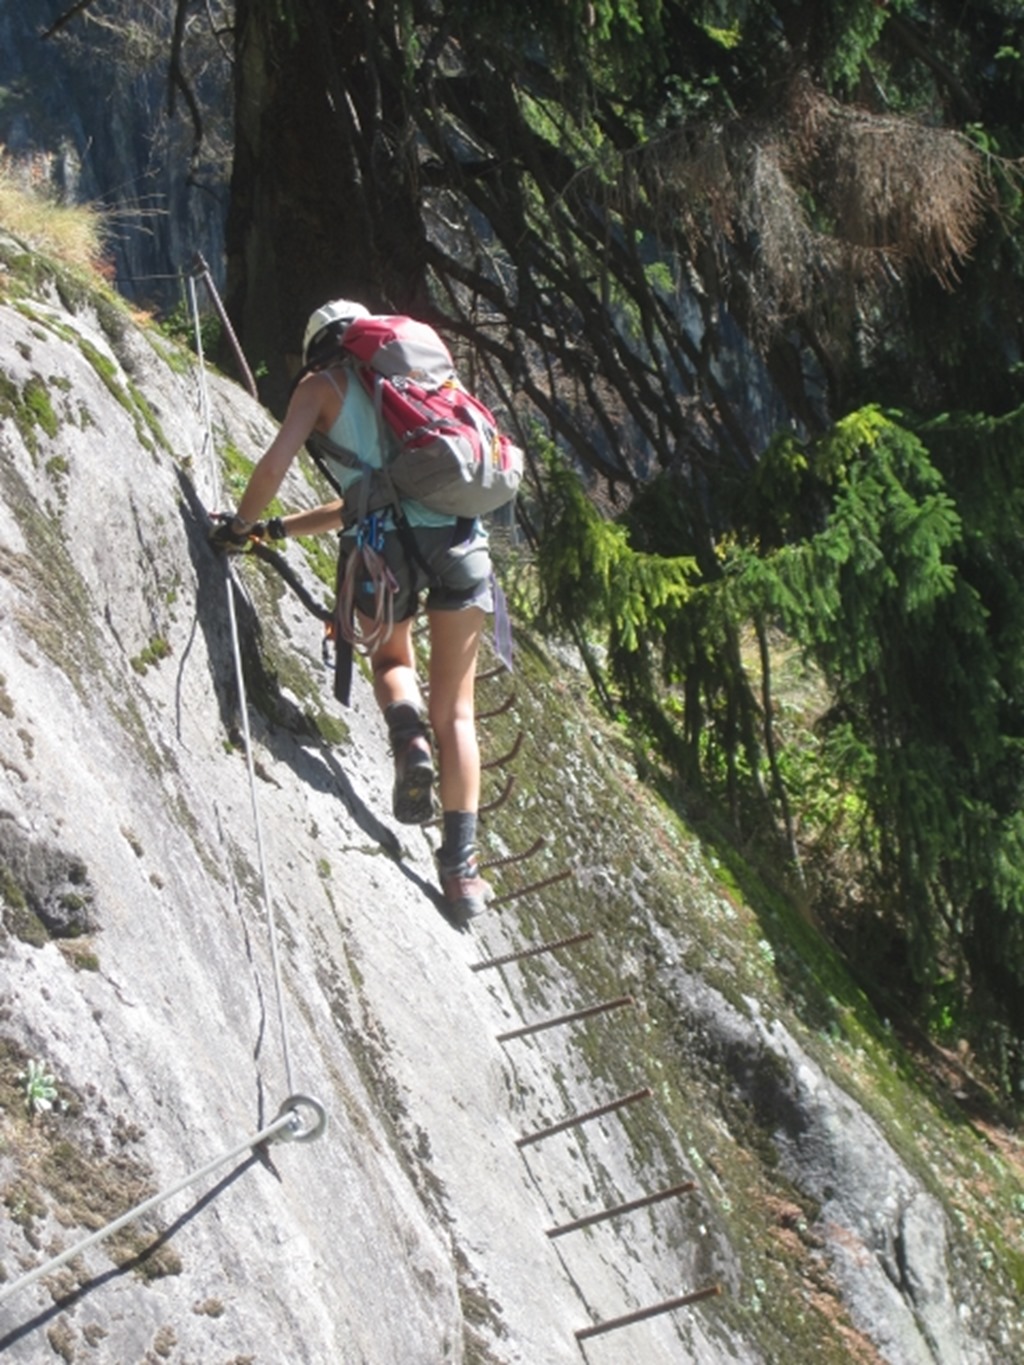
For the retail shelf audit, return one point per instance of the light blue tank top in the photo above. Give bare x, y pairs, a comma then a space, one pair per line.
356, 428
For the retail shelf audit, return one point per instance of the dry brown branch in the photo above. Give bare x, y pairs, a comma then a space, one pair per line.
818, 206
773, 215
687, 178
914, 192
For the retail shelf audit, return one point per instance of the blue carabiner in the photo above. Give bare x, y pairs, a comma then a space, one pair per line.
370, 531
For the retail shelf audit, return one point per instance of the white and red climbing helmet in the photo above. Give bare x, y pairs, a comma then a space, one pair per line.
328, 323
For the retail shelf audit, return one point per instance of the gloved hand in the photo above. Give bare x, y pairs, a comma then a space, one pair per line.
225, 538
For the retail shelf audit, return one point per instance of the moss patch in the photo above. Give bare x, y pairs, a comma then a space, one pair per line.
665, 897
29, 408
64, 1170
236, 468
154, 653
61, 622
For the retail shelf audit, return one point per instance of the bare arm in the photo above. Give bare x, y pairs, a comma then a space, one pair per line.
324, 518
304, 412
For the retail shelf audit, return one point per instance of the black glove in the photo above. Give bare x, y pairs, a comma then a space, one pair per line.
225, 538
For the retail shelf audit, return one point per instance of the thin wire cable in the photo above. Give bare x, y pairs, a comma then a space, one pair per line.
230, 585
204, 394
264, 877
48, 1267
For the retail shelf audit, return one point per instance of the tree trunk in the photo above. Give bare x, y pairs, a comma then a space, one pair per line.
323, 198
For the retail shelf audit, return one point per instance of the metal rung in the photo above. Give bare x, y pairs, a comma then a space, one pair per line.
535, 847
501, 798
505, 758
506, 705
490, 673
687, 1187
533, 952
577, 1119
534, 886
613, 1324
586, 1013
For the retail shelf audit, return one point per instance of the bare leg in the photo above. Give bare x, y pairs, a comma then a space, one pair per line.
454, 641
394, 667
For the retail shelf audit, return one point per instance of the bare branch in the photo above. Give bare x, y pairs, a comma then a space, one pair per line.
64, 19
176, 79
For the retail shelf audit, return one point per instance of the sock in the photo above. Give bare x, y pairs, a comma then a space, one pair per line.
458, 842
404, 720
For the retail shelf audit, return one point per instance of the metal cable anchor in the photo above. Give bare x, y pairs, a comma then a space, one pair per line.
294, 1131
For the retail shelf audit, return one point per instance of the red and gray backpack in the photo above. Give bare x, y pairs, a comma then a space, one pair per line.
444, 446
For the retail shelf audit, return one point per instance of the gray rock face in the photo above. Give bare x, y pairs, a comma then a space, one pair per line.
189, 943
887, 1236
412, 1231
55, 885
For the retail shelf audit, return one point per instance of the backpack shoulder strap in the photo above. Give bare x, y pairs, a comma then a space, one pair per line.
319, 446
374, 490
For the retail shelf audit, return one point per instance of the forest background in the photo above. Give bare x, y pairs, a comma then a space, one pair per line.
746, 281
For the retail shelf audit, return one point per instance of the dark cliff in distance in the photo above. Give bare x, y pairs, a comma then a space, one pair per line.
89, 108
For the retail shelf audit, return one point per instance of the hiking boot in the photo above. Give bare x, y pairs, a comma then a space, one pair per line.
412, 797
465, 892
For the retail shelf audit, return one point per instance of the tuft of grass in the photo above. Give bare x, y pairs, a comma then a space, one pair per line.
151, 655
73, 234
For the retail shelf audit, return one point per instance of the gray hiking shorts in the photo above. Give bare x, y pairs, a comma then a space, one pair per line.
454, 573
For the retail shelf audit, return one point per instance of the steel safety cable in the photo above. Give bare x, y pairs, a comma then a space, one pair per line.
286, 1127
204, 392
231, 585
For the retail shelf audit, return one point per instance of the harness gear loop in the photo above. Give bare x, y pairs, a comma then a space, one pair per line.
365, 567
